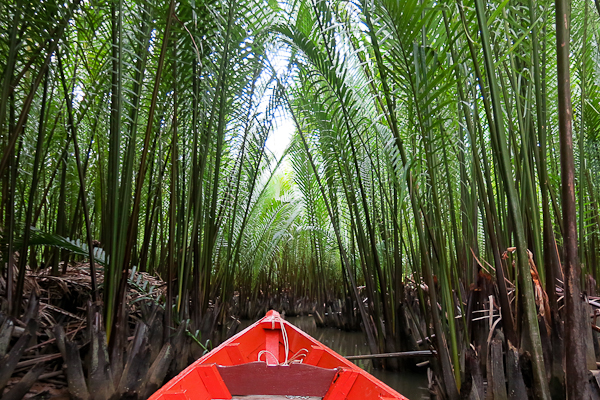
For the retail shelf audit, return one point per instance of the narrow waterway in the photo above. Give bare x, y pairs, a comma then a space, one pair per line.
410, 384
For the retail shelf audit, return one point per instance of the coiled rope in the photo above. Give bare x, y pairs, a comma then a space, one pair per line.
296, 358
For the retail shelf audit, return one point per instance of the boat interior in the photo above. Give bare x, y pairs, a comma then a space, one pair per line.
273, 359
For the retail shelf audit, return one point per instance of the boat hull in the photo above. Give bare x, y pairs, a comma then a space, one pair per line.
273, 359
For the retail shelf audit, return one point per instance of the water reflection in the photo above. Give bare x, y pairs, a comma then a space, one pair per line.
410, 384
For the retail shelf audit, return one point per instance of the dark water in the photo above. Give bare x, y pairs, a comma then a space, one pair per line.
410, 384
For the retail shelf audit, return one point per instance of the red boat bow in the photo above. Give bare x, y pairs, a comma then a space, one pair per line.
274, 358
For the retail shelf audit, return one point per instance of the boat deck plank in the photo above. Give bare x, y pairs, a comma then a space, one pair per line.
265, 397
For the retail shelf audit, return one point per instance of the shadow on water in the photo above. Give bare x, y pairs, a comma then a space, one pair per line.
410, 384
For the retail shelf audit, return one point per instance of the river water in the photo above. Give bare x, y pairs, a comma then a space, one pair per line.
410, 384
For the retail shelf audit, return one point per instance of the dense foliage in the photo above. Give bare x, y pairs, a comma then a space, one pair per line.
426, 144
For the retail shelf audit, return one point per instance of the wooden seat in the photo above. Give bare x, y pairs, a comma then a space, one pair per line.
289, 381
261, 397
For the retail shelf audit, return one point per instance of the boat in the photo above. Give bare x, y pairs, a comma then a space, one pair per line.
272, 359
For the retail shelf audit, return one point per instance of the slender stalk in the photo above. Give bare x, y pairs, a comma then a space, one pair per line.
10, 213
581, 141
36, 82
10, 63
530, 312
211, 216
32, 190
81, 174
576, 374
172, 209
114, 206
131, 229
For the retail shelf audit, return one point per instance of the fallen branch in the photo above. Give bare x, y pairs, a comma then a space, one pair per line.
417, 353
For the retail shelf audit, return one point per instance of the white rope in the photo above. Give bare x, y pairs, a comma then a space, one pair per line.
260, 353
296, 357
286, 346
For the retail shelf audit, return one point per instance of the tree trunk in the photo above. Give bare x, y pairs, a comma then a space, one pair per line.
576, 375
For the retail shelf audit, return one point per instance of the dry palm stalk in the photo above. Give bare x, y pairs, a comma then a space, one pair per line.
541, 297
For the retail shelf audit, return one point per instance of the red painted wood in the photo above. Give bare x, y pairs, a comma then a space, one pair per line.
213, 381
258, 378
266, 334
272, 320
314, 355
174, 396
342, 384
235, 355
202, 383
271, 347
